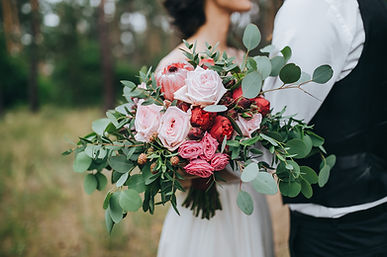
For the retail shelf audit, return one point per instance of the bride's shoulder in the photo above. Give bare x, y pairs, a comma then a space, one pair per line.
176, 55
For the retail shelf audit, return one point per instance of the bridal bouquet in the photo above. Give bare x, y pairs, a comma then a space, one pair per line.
202, 117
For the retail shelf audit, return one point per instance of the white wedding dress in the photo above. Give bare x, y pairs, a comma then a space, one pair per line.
230, 233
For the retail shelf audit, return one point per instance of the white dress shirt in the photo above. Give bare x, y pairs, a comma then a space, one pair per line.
318, 32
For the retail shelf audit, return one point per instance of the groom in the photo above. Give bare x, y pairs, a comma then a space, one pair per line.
347, 217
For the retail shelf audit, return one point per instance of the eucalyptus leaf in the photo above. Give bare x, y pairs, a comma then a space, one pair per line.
252, 84
263, 66
120, 164
130, 200
82, 162
136, 182
304, 78
287, 53
290, 189
215, 108
290, 73
250, 172
323, 176
121, 181
90, 183
107, 200
306, 189
277, 63
109, 222
100, 125
309, 174
271, 140
251, 37
114, 208
245, 203
331, 160
297, 146
322, 74
268, 49
264, 183
102, 181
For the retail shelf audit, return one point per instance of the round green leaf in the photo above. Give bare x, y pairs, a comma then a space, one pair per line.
297, 146
215, 108
107, 200
250, 172
90, 183
251, 37
109, 222
290, 189
322, 74
264, 183
263, 65
323, 176
306, 189
121, 181
295, 168
268, 49
100, 125
130, 200
316, 139
304, 78
136, 182
331, 160
309, 174
82, 162
120, 164
277, 63
290, 73
252, 84
114, 208
245, 203
287, 53
102, 181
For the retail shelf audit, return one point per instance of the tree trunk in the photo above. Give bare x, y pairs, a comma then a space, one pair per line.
11, 26
34, 61
106, 58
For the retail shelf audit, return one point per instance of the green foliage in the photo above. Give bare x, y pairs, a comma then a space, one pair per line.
245, 203
322, 74
290, 73
252, 84
264, 183
250, 172
251, 37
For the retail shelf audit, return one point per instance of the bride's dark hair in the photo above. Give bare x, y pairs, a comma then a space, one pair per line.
187, 15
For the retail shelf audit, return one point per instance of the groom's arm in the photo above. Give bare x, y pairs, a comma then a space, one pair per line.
318, 32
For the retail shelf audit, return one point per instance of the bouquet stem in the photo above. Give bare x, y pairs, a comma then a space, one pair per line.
203, 198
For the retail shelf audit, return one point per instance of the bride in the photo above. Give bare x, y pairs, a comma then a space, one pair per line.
230, 233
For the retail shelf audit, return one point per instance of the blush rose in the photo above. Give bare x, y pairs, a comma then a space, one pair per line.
147, 121
248, 126
174, 127
200, 168
202, 87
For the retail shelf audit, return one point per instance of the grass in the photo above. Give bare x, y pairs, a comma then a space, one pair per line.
44, 210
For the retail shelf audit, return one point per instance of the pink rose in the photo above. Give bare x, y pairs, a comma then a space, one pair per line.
199, 167
147, 121
219, 161
174, 127
172, 78
191, 150
210, 145
202, 87
249, 126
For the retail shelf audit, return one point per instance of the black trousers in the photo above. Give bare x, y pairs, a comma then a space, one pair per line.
359, 234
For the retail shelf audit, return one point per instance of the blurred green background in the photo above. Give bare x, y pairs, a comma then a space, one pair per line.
60, 66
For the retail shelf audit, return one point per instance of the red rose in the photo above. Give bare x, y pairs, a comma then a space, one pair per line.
243, 102
222, 127
201, 118
205, 63
262, 104
183, 106
195, 133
